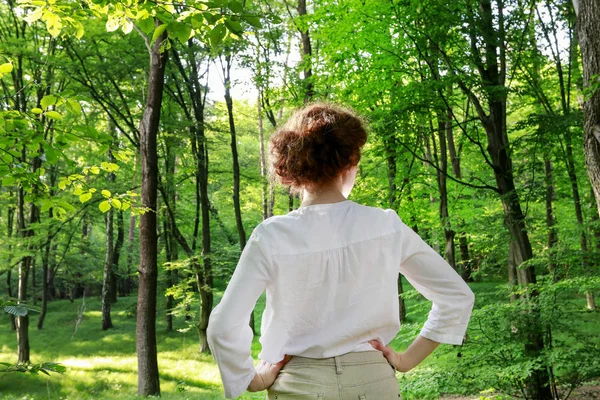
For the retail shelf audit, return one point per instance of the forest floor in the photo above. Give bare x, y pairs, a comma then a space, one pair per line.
590, 392
103, 364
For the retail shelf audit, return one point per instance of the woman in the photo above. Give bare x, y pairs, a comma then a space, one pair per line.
330, 269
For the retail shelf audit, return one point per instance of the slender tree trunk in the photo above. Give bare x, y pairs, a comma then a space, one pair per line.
115, 277
127, 283
234, 153
22, 322
148, 378
309, 90
204, 278
444, 125
236, 165
45, 270
550, 221
10, 224
263, 162
391, 159
108, 260
170, 241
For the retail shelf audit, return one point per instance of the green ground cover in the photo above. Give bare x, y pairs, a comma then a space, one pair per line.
102, 364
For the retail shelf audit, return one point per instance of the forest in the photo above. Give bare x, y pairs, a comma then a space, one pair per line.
134, 165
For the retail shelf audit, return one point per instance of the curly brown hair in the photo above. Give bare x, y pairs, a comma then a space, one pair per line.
317, 144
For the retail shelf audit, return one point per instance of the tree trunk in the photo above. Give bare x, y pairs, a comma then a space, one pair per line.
465, 258
170, 241
204, 279
10, 224
489, 25
115, 276
263, 162
22, 322
391, 159
148, 378
550, 220
45, 269
236, 165
444, 125
588, 29
108, 264
309, 91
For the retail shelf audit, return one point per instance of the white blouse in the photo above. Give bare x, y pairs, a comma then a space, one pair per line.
330, 272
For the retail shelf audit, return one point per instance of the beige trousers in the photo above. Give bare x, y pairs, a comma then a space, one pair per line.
353, 376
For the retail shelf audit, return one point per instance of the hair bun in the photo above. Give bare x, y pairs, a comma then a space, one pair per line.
316, 145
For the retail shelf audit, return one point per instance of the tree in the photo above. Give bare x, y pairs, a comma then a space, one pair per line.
588, 29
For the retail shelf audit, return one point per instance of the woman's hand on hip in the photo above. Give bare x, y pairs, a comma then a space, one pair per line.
394, 358
419, 349
266, 374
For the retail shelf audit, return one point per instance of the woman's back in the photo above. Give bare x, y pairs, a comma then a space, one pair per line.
334, 270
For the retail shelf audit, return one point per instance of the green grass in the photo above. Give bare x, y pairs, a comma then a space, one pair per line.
103, 364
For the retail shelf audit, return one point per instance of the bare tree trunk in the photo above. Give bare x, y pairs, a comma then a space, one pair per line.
263, 162
204, 278
148, 378
10, 224
170, 241
108, 260
114, 277
45, 267
391, 159
306, 56
234, 152
22, 321
550, 220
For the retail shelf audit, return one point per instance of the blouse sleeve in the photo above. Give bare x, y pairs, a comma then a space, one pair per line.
435, 279
229, 333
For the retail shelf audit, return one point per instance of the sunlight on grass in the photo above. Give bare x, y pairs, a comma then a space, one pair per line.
103, 364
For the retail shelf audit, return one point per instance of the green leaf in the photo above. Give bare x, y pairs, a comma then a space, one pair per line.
115, 203
73, 106
146, 25
8, 181
112, 24
180, 31
48, 101
54, 115
6, 68
106, 193
127, 27
211, 18
253, 20
35, 15
52, 155
104, 206
217, 34
234, 26
125, 206
94, 170
37, 110
85, 197
236, 6
158, 31
46, 205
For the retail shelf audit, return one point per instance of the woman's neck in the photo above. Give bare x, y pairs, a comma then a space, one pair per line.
324, 195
